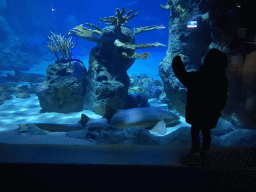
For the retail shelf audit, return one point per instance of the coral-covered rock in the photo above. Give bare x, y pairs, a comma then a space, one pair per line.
110, 33
108, 79
111, 58
65, 87
109, 54
22, 95
141, 83
190, 43
136, 100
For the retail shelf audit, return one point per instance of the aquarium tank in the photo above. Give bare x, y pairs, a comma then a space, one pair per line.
98, 76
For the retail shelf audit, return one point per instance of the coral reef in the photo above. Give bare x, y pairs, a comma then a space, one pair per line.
111, 58
119, 20
142, 84
61, 45
146, 29
86, 33
118, 43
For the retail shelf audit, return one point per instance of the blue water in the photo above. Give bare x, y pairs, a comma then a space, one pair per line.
32, 21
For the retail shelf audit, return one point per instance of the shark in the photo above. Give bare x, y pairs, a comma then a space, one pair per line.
150, 118
25, 77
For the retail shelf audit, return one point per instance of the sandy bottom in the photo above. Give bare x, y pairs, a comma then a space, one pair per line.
21, 111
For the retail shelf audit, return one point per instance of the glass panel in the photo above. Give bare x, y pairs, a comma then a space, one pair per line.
125, 77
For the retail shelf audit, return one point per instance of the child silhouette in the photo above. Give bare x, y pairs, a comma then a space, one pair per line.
206, 95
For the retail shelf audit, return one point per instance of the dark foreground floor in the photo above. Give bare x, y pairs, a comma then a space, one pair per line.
44, 167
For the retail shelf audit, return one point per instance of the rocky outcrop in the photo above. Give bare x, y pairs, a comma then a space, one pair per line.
142, 84
111, 58
109, 82
64, 89
190, 43
103, 134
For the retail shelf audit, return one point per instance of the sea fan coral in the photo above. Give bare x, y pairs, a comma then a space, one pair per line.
61, 45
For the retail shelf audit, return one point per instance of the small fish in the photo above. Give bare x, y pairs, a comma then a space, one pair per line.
161, 27
132, 3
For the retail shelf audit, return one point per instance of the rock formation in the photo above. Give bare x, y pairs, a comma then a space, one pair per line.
224, 25
190, 43
111, 58
65, 86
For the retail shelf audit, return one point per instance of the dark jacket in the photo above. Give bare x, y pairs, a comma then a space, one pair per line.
206, 93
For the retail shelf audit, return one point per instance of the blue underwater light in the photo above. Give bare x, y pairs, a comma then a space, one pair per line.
192, 24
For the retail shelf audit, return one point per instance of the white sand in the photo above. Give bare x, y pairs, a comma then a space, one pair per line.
20, 111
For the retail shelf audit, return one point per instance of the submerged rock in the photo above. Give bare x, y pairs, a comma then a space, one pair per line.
141, 83
23, 92
223, 127
239, 138
65, 87
5, 92
136, 100
190, 44
103, 134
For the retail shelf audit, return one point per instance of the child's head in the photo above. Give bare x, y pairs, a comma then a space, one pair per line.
215, 59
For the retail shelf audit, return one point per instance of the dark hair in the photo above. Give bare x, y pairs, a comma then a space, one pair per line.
215, 59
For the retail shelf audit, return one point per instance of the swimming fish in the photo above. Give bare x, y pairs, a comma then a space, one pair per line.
150, 118
132, 3
25, 77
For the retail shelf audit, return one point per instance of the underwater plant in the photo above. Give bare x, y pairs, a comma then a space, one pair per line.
61, 46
